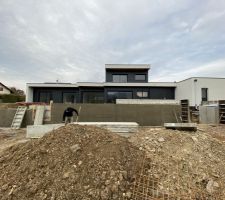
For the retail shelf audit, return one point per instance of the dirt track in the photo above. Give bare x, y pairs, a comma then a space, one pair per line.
10, 137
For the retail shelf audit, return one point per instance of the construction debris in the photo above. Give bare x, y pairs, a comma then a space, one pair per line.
183, 166
86, 162
72, 162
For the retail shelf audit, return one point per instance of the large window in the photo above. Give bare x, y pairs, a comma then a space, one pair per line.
45, 97
140, 77
93, 97
112, 96
204, 94
1, 88
69, 97
119, 78
142, 94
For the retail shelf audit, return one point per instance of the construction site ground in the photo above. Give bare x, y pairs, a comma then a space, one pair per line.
168, 164
9, 137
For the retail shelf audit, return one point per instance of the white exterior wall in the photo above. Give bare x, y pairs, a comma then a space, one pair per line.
185, 90
189, 89
5, 90
29, 94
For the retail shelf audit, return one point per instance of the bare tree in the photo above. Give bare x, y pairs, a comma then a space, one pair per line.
17, 91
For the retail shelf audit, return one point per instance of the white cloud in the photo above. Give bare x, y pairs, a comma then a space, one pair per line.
41, 41
216, 68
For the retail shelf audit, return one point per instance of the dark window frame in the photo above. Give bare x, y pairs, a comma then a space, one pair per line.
76, 96
119, 75
204, 93
1, 88
142, 91
45, 92
95, 100
135, 77
116, 91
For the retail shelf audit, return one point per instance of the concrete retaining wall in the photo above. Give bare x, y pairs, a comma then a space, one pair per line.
7, 115
144, 115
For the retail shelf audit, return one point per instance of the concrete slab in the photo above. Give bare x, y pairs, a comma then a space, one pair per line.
148, 101
37, 131
122, 128
116, 127
209, 114
181, 126
39, 116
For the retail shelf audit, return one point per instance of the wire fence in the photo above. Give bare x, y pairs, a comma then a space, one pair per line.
147, 185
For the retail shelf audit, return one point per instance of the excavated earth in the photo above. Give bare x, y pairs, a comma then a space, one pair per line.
186, 165
72, 162
85, 162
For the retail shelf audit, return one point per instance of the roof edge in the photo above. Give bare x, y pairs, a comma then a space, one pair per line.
127, 66
6, 87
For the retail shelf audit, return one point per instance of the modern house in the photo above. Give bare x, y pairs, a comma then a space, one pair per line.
4, 89
127, 81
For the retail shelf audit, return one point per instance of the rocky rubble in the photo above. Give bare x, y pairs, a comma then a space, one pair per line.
184, 162
73, 162
84, 162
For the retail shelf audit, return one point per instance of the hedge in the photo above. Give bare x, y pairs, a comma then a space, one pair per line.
11, 98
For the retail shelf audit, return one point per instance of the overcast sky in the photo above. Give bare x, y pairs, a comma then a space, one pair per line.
72, 40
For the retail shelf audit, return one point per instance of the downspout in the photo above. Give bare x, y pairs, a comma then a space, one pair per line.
195, 93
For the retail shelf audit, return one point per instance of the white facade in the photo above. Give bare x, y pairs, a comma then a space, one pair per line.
4, 89
191, 89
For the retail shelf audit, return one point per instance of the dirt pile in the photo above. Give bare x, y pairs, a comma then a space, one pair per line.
72, 162
184, 164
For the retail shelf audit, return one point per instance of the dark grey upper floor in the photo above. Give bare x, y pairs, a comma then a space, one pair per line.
127, 73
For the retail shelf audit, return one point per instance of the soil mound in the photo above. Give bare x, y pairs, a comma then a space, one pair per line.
72, 162
185, 165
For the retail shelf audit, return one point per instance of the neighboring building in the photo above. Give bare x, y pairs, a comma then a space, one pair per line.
127, 82
199, 89
4, 89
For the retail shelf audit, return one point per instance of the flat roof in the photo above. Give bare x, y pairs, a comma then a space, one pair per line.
201, 78
52, 85
148, 84
127, 66
90, 84
105, 84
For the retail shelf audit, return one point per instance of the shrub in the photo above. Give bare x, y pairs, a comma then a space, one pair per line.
11, 98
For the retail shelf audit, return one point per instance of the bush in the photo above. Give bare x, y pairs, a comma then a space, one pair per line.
11, 98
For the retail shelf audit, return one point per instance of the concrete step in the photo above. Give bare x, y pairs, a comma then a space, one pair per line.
121, 128
181, 126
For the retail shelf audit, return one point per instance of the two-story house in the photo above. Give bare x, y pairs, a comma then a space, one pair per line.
128, 81
122, 81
